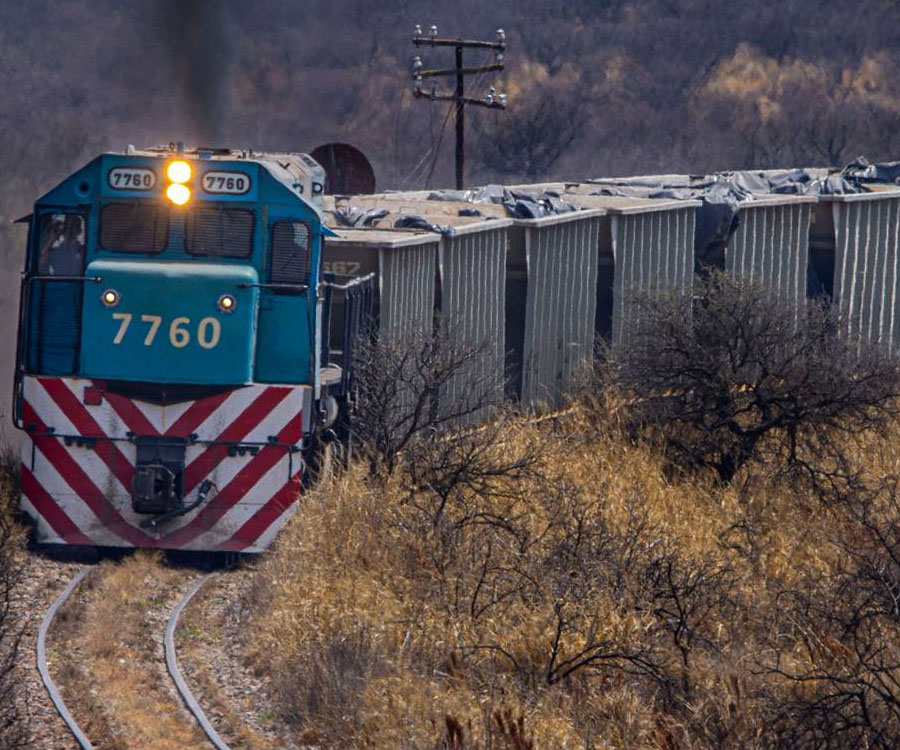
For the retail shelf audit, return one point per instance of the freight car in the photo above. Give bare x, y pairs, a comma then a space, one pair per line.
172, 368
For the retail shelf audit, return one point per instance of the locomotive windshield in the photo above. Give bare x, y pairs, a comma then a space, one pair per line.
143, 227
134, 227
219, 232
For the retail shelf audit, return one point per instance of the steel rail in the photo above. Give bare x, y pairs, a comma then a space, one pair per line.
42, 661
172, 664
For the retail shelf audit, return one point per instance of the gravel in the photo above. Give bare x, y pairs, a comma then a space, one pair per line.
43, 580
211, 658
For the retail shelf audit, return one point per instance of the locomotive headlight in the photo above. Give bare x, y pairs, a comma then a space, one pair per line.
177, 193
179, 171
227, 303
110, 298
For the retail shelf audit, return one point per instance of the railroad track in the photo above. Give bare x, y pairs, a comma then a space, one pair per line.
64, 713
171, 664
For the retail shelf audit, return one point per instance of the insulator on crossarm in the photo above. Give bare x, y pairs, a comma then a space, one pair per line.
417, 32
417, 64
432, 32
501, 35
501, 100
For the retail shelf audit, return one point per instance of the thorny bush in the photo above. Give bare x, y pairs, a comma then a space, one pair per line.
487, 574
414, 388
743, 375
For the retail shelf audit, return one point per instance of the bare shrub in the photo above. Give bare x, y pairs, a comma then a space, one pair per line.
548, 574
839, 637
553, 575
744, 375
410, 388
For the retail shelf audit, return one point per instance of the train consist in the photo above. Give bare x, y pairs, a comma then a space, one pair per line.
183, 345
173, 368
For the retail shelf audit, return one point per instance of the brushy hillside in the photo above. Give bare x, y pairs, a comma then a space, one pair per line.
589, 597
595, 89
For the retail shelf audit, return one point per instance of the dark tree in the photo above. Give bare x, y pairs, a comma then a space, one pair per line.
526, 141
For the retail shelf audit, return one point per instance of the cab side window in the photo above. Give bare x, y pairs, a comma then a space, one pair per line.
61, 240
289, 253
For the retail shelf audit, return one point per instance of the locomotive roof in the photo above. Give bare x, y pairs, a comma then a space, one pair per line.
297, 173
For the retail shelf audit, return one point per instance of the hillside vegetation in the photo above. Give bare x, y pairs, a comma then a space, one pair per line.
14, 708
591, 601
704, 552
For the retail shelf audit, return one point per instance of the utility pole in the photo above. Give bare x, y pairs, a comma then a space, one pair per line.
492, 100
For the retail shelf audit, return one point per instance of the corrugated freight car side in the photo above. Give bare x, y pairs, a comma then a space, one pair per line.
771, 244
653, 248
406, 290
405, 266
471, 308
867, 243
560, 304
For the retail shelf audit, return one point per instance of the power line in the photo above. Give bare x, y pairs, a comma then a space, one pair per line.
437, 147
492, 100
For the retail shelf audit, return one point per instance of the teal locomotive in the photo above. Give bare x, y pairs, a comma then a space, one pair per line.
172, 369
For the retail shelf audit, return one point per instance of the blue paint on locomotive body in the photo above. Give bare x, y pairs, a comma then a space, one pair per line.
168, 328
169, 272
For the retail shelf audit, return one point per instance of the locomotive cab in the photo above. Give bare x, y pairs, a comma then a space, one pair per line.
169, 363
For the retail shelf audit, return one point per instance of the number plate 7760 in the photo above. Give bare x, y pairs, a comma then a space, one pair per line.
181, 332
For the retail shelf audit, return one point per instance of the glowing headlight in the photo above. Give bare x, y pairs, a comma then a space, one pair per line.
179, 194
227, 303
179, 171
110, 298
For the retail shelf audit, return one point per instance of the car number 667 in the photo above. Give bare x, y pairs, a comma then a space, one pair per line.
207, 333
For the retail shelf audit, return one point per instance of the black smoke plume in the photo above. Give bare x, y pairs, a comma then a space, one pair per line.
198, 36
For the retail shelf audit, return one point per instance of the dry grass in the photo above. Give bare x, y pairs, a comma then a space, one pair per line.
14, 730
590, 603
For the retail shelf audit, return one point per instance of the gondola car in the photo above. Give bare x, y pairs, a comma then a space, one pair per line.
172, 369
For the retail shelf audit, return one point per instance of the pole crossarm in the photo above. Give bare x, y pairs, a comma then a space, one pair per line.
445, 97
492, 100
455, 71
429, 42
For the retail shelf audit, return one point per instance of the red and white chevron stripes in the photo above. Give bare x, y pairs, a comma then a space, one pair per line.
78, 459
